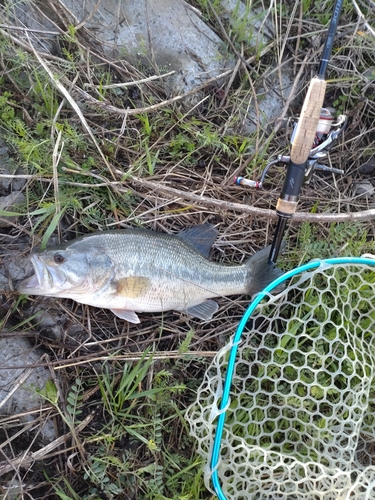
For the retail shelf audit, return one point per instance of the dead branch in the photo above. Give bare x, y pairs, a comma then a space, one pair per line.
199, 201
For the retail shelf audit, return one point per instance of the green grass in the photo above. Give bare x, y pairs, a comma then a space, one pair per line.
137, 443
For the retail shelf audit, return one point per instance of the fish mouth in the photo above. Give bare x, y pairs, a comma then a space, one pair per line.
45, 280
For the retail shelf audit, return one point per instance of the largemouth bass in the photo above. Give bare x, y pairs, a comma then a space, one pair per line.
137, 270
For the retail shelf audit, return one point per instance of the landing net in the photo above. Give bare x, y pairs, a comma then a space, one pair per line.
287, 409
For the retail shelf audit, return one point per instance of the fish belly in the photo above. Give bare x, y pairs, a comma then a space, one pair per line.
164, 290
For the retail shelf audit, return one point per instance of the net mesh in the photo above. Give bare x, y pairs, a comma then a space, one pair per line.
300, 421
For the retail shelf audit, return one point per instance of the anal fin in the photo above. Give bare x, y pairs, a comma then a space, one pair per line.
130, 316
203, 311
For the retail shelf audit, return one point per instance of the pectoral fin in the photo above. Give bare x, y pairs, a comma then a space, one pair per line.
204, 311
127, 315
132, 286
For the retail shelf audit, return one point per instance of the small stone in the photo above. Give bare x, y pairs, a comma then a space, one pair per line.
367, 168
51, 322
364, 189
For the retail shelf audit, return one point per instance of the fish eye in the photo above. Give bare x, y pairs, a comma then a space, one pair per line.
58, 258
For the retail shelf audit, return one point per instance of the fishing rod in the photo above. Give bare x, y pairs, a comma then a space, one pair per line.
311, 140
303, 139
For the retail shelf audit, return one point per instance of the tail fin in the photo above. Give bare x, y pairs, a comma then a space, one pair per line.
261, 271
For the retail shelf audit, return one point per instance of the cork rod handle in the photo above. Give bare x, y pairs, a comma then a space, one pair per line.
308, 122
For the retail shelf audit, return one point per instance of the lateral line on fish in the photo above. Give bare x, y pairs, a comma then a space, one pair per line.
217, 295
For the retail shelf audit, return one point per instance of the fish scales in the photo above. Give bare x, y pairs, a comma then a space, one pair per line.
130, 271
176, 271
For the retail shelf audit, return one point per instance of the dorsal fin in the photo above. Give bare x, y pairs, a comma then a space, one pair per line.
201, 237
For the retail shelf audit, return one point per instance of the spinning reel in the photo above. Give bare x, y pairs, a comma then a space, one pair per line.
325, 138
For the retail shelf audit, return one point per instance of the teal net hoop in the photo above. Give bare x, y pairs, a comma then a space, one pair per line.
293, 419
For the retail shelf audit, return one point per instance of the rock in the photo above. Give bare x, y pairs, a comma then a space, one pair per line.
7, 203
19, 381
164, 36
13, 268
5, 169
51, 322
255, 28
10, 189
271, 100
363, 188
161, 35
368, 168
251, 23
